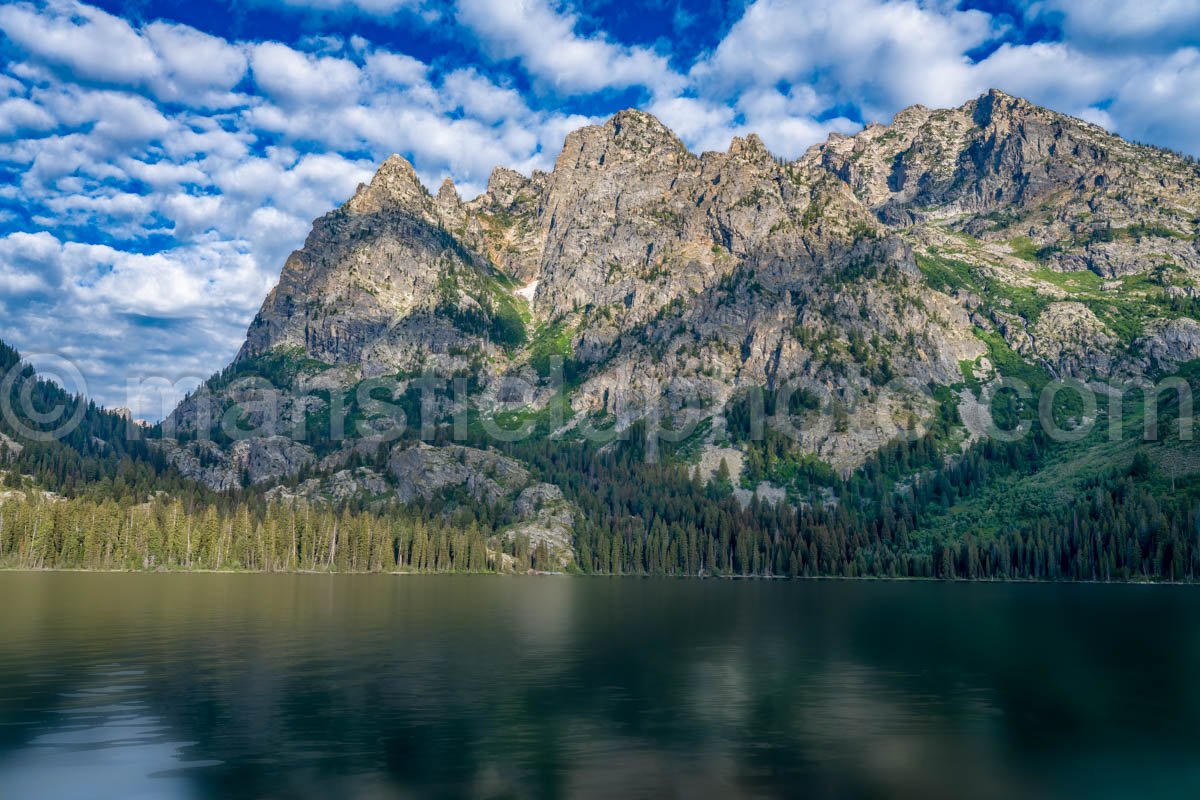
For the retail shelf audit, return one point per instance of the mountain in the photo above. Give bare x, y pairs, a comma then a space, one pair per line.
640, 309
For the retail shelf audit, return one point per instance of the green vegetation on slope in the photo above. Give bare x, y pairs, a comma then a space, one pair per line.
1125, 305
1035, 509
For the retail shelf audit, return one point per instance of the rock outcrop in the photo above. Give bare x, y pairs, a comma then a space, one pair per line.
423, 471
866, 273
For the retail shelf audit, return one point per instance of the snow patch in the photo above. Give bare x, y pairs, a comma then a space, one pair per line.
527, 291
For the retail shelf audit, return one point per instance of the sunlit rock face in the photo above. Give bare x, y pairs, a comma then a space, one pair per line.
670, 281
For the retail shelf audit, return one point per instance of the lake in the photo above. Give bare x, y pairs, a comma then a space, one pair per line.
298, 686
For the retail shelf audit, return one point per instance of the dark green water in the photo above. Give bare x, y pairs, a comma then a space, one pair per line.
380, 686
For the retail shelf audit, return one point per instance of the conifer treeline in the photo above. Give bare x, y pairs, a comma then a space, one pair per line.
117, 505
638, 518
93, 451
657, 519
40, 532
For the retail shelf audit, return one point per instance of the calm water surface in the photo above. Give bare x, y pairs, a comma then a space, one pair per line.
165, 686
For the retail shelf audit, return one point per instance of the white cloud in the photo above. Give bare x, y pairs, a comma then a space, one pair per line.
396, 69
174, 62
547, 46
479, 98
463, 125
194, 62
162, 175
1158, 101
1127, 25
45, 282
1055, 73
29, 264
296, 78
194, 214
1119, 62
89, 42
880, 55
701, 124
375, 7
18, 115
10, 87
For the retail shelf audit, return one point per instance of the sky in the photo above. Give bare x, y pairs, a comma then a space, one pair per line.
160, 158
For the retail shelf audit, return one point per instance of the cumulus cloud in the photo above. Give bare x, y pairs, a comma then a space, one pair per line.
295, 78
133, 302
547, 46
29, 264
1119, 63
88, 42
194, 63
395, 68
1104, 26
460, 124
18, 115
374, 7
879, 54
1158, 102
175, 63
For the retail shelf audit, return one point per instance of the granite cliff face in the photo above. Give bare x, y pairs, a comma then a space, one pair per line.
1000, 168
923, 252
380, 282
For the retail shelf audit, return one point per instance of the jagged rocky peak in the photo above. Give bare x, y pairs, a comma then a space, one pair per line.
909, 117
750, 149
450, 209
447, 194
664, 274
628, 136
634, 127
363, 289
996, 106
1000, 168
395, 184
633, 220
505, 185
504, 224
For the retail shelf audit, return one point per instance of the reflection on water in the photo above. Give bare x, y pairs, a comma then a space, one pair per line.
101, 740
384, 686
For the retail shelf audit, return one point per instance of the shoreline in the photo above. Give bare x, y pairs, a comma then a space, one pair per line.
532, 574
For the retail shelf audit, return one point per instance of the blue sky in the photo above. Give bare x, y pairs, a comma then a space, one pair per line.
160, 158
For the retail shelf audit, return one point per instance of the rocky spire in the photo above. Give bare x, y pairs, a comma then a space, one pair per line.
395, 184
630, 136
995, 104
504, 185
634, 126
450, 205
448, 195
750, 149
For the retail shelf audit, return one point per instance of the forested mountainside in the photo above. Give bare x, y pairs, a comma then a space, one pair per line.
653, 361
